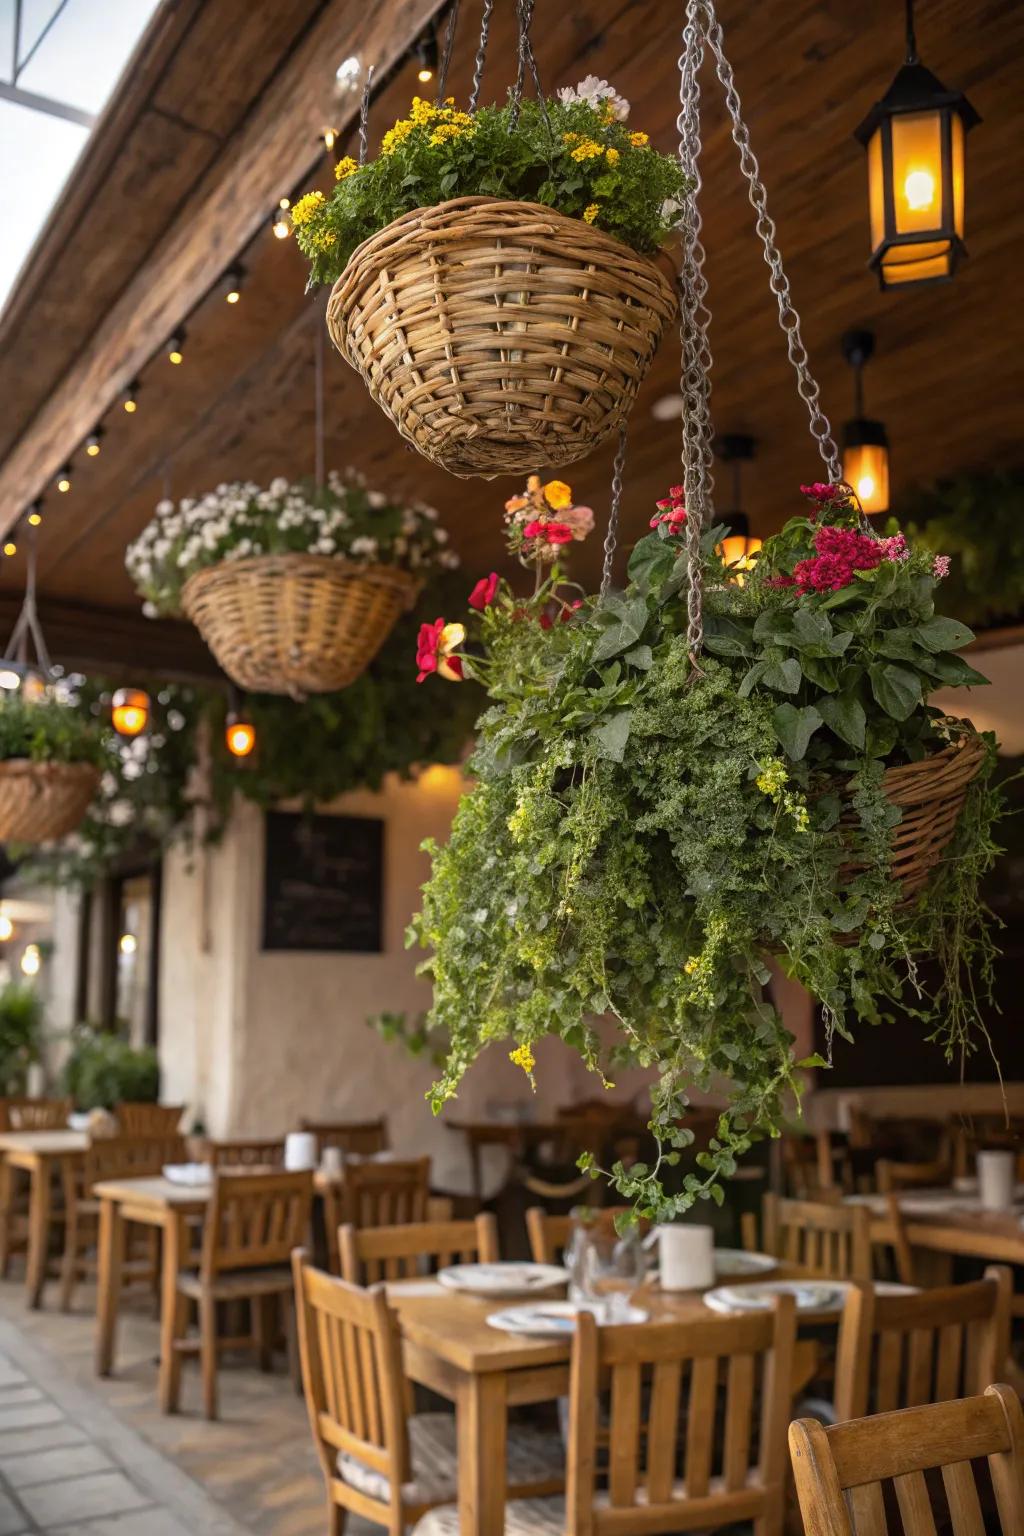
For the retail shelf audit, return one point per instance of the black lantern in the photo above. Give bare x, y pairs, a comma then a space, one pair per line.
915, 139
865, 442
738, 547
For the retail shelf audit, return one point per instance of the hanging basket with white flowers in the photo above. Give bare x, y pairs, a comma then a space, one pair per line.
493, 274
294, 589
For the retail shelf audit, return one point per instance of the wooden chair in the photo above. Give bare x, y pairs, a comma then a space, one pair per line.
247, 1152
148, 1119
840, 1471
369, 1254
654, 1371
827, 1239
893, 1176
24, 1114
360, 1138
37, 1114
254, 1222
109, 1157
928, 1347
376, 1195
379, 1461
549, 1235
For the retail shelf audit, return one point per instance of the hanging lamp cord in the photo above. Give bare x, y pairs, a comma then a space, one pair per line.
911, 34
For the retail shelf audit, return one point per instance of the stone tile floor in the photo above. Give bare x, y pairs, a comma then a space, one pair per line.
81, 1456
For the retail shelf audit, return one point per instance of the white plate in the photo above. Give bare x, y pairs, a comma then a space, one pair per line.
810, 1295
553, 1319
733, 1263
502, 1279
188, 1173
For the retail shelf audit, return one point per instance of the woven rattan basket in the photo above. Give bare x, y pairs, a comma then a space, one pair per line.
931, 795
499, 336
43, 801
296, 624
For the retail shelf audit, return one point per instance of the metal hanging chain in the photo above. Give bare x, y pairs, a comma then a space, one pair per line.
28, 625
524, 15
364, 115
446, 53
789, 320
318, 405
481, 54
612, 536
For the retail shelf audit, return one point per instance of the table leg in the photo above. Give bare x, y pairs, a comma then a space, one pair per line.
38, 1232
482, 1410
172, 1310
110, 1259
6, 1197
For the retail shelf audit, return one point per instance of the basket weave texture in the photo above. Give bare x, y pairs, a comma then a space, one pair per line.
43, 801
931, 795
499, 336
294, 623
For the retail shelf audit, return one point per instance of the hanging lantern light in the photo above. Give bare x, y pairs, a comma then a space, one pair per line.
865, 442
739, 547
915, 139
239, 736
129, 711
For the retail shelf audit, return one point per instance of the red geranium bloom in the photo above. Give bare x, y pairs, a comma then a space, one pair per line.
482, 594
548, 533
841, 552
433, 646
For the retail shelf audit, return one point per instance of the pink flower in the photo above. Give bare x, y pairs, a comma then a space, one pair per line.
895, 548
940, 567
570, 609
671, 510
779, 581
482, 595
548, 533
821, 490
580, 520
840, 553
433, 650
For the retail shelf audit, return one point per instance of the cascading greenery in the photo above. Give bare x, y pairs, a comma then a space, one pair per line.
646, 832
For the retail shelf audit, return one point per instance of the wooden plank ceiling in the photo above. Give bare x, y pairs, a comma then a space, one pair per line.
219, 117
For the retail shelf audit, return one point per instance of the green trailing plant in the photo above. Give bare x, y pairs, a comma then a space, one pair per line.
572, 152
47, 725
21, 1031
415, 1036
104, 1070
648, 829
979, 520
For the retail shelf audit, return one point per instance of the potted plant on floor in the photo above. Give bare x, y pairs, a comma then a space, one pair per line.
493, 274
651, 824
21, 1027
293, 588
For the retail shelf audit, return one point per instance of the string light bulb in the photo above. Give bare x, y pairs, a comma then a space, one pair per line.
64, 480
129, 711
233, 285
31, 960
35, 516
281, 224
94, 442
329, 138
130, 399
10, 548
239, 735
426, 53
6, 928
176, 347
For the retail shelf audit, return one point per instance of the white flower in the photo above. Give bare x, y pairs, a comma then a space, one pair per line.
149, 610
595, 91
164, 508
279, 486
364, 545
377, 499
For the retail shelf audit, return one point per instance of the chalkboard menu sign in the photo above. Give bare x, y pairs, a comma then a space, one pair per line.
323, 883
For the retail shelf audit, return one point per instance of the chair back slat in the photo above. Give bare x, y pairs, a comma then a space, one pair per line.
371, 1254
25, 1114
247, 1152
135, 1119
131, 1156
255, 1220
856, 1459
741, 1361
360, 1138
385, 1194
931, 1346
891, 1175
350, 1351
826, 1238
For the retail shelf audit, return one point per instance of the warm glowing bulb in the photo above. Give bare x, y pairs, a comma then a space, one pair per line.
282, 228
92, 446
233, 296
330, 138
919, 190
240, 737
424, 76
64, 483
174, 356
35, 518
10, 548
127, 943
30, 961
129, 711
865, 487
6, 928
130, 403
285, 202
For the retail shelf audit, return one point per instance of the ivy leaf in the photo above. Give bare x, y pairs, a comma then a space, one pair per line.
612, 735
640, 657
896, 689
819, 671
725, 636
773, 626
783, 676
651, 561
953, 671
943, 634
795, 727
844, 714
750, 679
899, 644
628, 624
806, 1062
811, 628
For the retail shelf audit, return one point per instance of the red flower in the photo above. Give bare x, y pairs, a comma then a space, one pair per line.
482, 594
840, 553
548, 533
433, 647
671, 510
780, 581
570, 609
820, 490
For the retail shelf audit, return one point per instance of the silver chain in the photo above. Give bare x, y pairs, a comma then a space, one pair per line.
364, 115
789, 320
446, 56
481, 54
612, 535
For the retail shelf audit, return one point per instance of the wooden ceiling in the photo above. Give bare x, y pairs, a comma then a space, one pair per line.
218, 117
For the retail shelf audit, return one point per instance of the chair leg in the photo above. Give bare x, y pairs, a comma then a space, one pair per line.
291, 1341
69, 1264
208, 1352
336, 1517
6, 1196
179, 1330
263, 1330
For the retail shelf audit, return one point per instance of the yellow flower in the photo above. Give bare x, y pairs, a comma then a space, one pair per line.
307, 208
638, 140
422, 111
396, 135
558, 494
612, 156
691, 965
590, 213
345, 167
322, 239
445, 131
523, 1057
587, 150
571, 138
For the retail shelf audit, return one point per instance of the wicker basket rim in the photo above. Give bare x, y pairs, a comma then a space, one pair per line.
295, 561
15, 767
547, 222
963, 750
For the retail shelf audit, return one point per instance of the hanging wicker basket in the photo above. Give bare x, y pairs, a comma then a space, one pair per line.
296, 624
931, 795
40, 801
497, 334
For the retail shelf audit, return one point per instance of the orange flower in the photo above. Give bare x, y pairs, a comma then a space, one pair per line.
558, 495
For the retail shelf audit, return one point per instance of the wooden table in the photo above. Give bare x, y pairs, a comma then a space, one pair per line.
449, 1347
943, 1221
40, 1154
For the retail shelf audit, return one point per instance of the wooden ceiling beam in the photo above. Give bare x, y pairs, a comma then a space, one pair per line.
117, 642
263, 162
